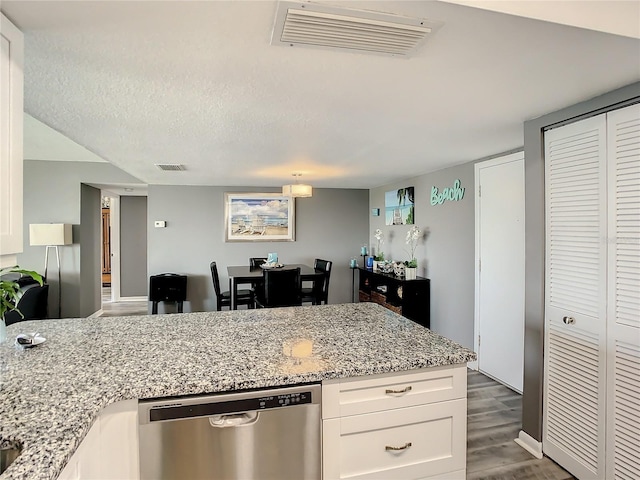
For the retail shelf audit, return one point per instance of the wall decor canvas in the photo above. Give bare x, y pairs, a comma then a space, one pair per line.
399, 206
259, 217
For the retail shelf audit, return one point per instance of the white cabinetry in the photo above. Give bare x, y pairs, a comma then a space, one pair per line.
110, 449
402, 425
592, 300
11, 113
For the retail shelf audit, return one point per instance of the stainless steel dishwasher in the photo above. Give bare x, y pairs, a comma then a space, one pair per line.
261, 434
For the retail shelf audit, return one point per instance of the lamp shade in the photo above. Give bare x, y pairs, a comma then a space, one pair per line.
297, 190
50, 234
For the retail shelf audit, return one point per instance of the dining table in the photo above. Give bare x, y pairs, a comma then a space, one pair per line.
241, 274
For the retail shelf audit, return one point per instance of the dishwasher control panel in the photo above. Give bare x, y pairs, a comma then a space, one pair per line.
285, 400
219, 405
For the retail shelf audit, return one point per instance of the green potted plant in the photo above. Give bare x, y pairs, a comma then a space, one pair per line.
411, 266
10, 293
379, 255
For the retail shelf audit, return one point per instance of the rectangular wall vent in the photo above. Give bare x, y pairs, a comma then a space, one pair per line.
328, 27
171, 167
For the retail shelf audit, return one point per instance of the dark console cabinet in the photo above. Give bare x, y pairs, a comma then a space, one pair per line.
410, 298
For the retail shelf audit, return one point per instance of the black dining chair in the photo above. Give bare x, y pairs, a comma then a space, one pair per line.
319, 292
282, 288
245, 296
255, 262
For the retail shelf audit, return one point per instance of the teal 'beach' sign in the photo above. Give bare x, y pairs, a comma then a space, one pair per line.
452, 194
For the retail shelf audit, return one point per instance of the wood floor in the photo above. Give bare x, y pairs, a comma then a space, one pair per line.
494, 419
121, 309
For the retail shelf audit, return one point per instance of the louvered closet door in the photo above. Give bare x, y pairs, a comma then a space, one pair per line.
575, 295
623, 368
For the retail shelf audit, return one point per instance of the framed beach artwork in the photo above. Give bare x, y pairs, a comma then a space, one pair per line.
259, 217
399, 207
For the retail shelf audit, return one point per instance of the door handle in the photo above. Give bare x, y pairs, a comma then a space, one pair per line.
568, 320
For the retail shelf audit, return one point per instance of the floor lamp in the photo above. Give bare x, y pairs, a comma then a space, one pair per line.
51, 235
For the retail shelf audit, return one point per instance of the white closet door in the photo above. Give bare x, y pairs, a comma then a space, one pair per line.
623, 368
575, 297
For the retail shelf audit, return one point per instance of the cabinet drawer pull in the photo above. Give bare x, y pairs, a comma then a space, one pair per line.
404, 390
569, 320
404, 447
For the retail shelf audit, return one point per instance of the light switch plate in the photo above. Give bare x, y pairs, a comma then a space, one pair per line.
160, 223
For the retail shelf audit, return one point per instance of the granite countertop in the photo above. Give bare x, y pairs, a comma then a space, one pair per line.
51, 394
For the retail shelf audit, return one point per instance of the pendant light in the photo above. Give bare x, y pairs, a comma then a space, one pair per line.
297, 189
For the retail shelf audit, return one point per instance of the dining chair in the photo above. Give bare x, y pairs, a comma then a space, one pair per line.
319, 291
282, 288
223, 298
255, 262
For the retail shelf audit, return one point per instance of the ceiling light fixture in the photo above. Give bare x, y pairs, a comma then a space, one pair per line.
297, 189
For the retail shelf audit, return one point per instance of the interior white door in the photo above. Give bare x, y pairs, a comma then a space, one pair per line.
500, 268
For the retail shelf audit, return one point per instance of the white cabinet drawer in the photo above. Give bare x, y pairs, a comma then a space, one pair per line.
356, 447
375, 393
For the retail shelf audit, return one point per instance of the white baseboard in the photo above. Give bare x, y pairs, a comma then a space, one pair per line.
96, 314
529, 443
133, 299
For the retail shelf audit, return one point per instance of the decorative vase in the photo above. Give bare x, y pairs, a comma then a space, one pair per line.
410, 273
398, 269
3, 330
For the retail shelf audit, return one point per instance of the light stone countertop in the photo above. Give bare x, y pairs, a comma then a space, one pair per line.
51, 394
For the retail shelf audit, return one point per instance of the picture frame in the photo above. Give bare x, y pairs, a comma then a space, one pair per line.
399, 206
259, 217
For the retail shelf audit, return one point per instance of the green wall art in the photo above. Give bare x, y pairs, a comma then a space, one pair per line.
399, 206
451, 194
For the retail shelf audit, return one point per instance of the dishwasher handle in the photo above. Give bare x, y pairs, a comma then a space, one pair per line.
234, 419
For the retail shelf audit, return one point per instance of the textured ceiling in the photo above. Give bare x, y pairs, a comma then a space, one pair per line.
198, 83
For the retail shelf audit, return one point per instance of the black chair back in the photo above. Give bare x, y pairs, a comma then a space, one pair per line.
32, 304
324, 266
282, 288
167, 287
255, 262
216, 279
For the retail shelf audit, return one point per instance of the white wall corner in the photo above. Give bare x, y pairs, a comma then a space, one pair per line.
529, 443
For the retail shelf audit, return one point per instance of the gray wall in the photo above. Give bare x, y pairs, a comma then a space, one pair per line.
535, 240
133, 246
90, 240
331, 225
446, 255
52, 194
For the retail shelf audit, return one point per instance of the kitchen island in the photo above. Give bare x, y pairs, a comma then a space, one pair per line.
51, 395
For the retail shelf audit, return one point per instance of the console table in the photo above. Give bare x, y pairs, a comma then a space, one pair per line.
409, 298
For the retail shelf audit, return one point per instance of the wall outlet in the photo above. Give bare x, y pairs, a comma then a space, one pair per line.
160, 224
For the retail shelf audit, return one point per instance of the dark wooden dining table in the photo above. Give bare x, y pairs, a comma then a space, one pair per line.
245, 274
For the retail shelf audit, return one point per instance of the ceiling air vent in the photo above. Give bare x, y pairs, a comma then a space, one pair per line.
324, 26
171, 167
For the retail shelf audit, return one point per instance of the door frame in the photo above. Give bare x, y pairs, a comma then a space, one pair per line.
502, 159
114, 241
